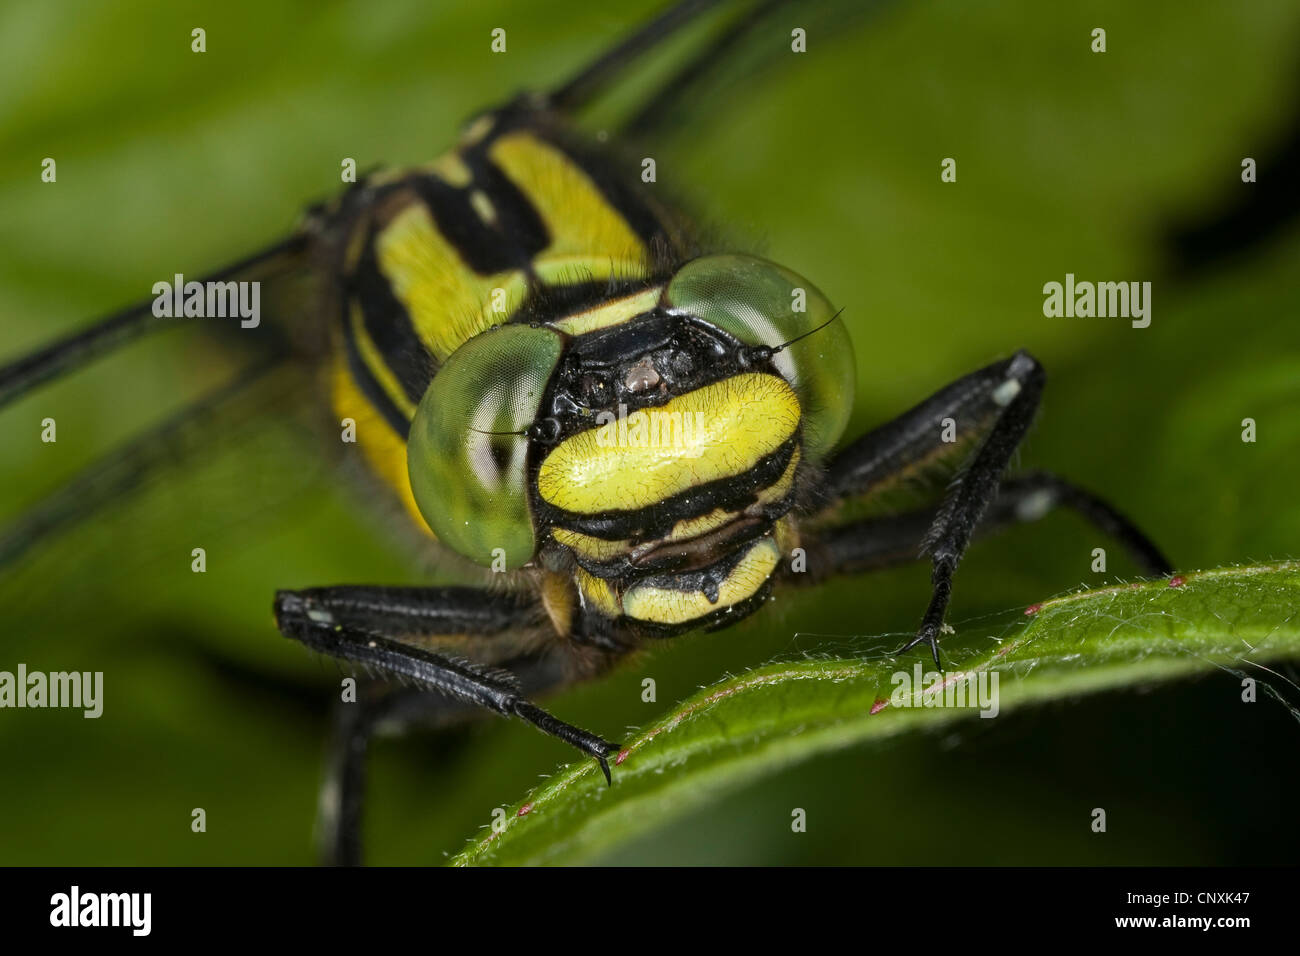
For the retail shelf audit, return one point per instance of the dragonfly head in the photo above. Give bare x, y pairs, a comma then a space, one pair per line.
656, 441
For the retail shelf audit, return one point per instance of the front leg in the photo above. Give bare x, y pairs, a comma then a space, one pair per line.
989, 410
356, 623
363, 625
886, 541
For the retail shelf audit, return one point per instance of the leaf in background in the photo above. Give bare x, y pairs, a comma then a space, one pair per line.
738, 730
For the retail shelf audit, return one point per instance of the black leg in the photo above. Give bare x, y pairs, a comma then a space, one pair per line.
340, 810
988, 413
342, 792
321, 622
357, 623
911, 447
1017, 387
891, 540
467, 682
388, 611
860, 546
383, 709
1030, 496
989, 410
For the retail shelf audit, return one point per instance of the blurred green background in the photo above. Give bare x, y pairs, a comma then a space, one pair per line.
1067, 161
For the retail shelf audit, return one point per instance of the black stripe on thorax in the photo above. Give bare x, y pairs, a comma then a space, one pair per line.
615, 187
549, 303
389, 325
510, 242
614, 176
368, 385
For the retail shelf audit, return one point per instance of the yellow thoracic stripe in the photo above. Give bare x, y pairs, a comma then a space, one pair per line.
447, 301
375, 362
719, 431
451, 169
646, 602
581, 222
384, 450
611, 313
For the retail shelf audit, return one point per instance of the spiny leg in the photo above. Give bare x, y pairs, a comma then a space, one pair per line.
992, 409
340, 810
383, 709
887, 541
434, 672
342, 792
357, 623
1029, 496
1017, 388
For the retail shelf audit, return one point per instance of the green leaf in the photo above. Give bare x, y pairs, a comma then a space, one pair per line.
751, 725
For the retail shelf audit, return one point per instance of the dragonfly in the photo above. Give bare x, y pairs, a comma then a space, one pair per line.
556, 379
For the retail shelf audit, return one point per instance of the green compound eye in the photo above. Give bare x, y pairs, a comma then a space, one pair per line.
471, 486
755, 301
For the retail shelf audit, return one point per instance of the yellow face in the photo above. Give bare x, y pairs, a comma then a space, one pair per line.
654, 443
632, 461
674, 504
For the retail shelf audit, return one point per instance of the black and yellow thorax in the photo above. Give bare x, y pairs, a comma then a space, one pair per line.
517, 218
546, 379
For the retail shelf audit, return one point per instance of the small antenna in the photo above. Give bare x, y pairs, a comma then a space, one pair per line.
543, 430
761, 353
805, 335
